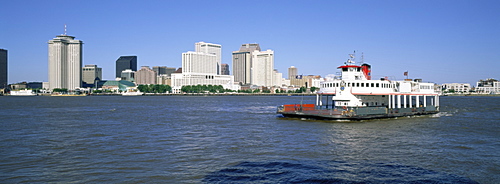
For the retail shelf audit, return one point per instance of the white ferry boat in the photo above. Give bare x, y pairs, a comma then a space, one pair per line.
24, 92
355, 96
132, 92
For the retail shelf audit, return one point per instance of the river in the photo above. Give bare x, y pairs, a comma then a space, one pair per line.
240, 139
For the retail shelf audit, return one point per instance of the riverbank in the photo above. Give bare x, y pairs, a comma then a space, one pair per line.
472, 95
243, 94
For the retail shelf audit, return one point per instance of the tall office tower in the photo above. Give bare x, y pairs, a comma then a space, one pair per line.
3, 68
125, 62
145, 76
199, 62
224, 69
90, 73
292, 72
65, 62
262, 68
242, 62
210, 48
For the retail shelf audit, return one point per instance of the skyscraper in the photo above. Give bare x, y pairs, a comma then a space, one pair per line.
262, 68
3, 68
125, 62
65, 62
210, 48
201, 67
199, 62
242, 62
292, 72
90, 73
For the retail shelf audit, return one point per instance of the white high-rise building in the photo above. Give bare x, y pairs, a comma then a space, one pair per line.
211, 48
202, 67
262, 68
199, 62
65, 62
279, 80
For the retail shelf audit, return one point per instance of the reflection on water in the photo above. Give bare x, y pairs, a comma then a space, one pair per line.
190, 139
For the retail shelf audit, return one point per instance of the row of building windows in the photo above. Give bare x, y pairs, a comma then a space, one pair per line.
426, 87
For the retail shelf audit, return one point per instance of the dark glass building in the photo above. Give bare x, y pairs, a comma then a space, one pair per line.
125, 62
3, 68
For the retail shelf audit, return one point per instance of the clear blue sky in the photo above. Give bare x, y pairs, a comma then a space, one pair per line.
441, 41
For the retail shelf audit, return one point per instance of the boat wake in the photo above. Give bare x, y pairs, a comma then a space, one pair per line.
441, 114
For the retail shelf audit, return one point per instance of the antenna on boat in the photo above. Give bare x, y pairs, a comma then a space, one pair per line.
352, 57
362, 57
65, 29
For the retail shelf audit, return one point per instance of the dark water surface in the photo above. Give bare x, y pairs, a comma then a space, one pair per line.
239, 139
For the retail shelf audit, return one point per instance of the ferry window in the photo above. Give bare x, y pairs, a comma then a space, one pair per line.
367, 85
357, 84
344, 69
373, 85
362, 84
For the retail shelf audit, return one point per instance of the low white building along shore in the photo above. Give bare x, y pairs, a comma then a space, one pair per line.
202, 67
488, 86
456, 88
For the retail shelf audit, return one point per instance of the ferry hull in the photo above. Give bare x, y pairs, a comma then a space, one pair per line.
309, 111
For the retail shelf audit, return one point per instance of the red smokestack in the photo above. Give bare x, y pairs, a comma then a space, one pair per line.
367, 70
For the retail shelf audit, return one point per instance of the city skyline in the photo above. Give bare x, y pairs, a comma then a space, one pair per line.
441, 42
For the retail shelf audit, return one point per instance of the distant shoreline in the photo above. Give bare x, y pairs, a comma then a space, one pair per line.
203, 94
473, 95
253, 94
